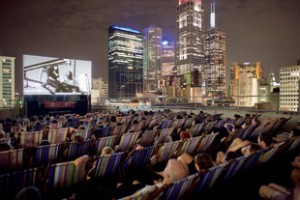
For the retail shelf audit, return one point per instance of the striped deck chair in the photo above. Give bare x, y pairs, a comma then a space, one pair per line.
76, 149
196, 130
105, 141
63, 175
238, 134
178, 123
208, 179
188, 123
11, 160
179, 189
12, 183
138, 158
108, 164
154, 122
252, 160
31, 139
208, 127
246, 134
128, 140
220, 123
147, 138
190, 145
166, 151
164, 133
233, 167
57, 135
270, 153
46, 154
279, 124
205, 143
294, 145
166, 123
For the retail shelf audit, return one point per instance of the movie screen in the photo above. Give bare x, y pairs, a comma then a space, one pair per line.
56, 76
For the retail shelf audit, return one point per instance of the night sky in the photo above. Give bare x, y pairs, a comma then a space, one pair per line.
256, 30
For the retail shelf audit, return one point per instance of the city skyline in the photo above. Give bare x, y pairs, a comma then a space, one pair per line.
266, 31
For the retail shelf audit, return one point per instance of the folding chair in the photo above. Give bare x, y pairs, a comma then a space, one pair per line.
108, 164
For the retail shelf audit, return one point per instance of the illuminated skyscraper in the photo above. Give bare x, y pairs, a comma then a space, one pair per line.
215, 58
190, 37
152, 38
7, 81
125, 63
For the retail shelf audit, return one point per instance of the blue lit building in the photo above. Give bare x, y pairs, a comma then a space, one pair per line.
125, 63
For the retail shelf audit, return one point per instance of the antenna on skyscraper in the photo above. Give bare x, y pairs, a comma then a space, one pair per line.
212, 15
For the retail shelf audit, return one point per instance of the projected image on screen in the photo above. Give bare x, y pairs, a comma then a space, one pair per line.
45, 75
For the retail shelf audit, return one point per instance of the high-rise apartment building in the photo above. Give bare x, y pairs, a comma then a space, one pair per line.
152, 39
7, 81
125, 63
289, 88
215, 58
244, 83
190, 37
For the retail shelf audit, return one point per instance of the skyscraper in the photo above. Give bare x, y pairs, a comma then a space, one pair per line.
7, 81
215, 58
125, 63
167, 58
190, 37
152, 38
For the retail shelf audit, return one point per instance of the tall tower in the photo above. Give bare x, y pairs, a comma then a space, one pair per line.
215, 58
125, 62
152, 39
7, 81
190, 37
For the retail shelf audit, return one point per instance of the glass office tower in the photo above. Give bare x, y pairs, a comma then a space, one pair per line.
190, 37
125, 63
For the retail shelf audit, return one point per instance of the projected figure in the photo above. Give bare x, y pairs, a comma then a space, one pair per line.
70, 83
52, 80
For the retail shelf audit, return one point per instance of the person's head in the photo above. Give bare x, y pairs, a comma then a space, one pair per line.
29, 193
264, 139
185, 135
107, 151
203, 161
173, 171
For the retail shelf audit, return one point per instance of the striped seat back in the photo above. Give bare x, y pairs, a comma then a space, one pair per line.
46, 154
108, 164
233, 167
139, 158
147, 138
31, 139
11, 160
105, 141
77, 149
269, 154
166, 151
128, 140
209, 178
179, 189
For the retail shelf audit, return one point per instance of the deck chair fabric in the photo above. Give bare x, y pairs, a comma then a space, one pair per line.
127, 141
104, 141
179, 189
208, 179
108, 164
197, 129
76, 149
147, 138
63, 175
31, 139
252, 160
11, 160
269, 153
138, 158
206, 142
190, 145
233, 167
12, 183
166, 151
46, 154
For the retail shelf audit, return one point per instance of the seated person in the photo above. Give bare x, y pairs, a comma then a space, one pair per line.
173, 171
199, 163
